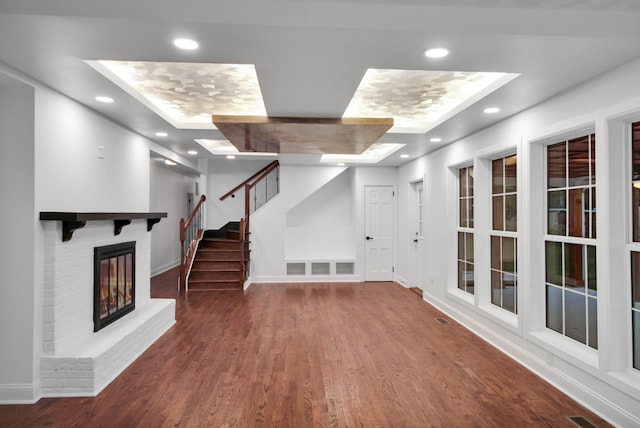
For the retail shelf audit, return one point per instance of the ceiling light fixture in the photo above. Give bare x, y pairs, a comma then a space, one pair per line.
436, 140
169, 162
161, 134
192, 152
186, 44
436, 53
340, 164
104, 99
491, 110
404, 156
231, 157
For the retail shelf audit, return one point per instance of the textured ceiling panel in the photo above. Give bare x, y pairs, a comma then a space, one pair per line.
187, 94
420, 99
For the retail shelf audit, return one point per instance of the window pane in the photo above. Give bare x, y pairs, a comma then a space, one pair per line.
498, 211
496, 288
557, 214
579, 173
635, 280
591, 270
460, 245
510, 174
575, 316
497, 176
461, 275
593, 212
508, 255
469, 278
511, 213
593, 158
462, 180
574, 266
553, 252
578, 214
509, 292
470, 214
495, 252
635, 155
593, 322
469, 247
556, 165
636, 339
464, 219
636, 212
470, 181
554, 308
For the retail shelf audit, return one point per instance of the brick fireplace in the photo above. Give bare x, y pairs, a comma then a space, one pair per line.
79, 359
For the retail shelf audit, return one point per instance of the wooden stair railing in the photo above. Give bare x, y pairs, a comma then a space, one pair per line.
190, 233
248, 185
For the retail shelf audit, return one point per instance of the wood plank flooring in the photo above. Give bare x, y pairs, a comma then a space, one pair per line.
318, 355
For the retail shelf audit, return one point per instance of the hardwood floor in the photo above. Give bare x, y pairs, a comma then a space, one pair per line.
325, 355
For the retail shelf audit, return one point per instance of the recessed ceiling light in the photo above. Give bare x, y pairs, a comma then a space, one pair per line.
436, 140
169, 162
491, 110
436, 53
161, 134
404, 156
104, 99
340, 164
186, 44
231, 157
192, 152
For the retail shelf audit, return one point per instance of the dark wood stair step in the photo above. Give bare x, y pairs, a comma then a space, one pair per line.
215, 285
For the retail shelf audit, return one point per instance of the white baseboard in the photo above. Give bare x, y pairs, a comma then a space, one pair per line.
579, 392
166, 267
20, 393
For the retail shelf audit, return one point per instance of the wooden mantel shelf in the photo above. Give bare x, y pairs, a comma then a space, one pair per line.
73, 220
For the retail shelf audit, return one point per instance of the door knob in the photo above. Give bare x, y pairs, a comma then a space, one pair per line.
368, 238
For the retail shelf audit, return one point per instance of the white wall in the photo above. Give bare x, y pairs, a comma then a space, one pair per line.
49, 162
168, 193
595, 378
297, 185
17, 264
322, 226
224, 175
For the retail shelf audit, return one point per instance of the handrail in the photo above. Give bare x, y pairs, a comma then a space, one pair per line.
271, 166
192, 232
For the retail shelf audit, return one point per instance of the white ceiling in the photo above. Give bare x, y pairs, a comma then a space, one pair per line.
310, 55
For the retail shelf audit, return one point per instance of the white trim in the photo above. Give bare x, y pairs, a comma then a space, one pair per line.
20, 393
588, 397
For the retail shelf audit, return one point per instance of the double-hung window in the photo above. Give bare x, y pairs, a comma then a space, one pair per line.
570, 251
504, 202
466, 280
635, 255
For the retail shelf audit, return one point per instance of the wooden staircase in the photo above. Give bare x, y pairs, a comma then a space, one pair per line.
219, 262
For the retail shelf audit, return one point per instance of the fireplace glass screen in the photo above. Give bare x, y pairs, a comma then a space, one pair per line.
114, 283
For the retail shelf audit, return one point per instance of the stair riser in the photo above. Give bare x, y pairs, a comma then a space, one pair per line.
214, 276
215, 264
231, 285
220, 245
220, 255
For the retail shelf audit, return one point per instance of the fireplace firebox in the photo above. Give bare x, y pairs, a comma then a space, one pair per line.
114, 283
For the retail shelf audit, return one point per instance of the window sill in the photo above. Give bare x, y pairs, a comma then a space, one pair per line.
502, 317
462, 297
627, 381
567, 349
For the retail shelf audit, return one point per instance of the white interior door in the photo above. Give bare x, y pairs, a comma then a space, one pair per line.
378, 233
419, 239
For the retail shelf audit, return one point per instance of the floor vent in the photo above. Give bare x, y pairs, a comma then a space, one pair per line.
581, 422
442, 321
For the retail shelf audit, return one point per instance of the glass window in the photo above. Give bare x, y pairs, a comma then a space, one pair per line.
570, 267
466, 275
571, 202
635, 307
635, 179
504, 278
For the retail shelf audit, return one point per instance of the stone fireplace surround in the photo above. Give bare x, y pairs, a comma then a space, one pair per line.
76, 361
